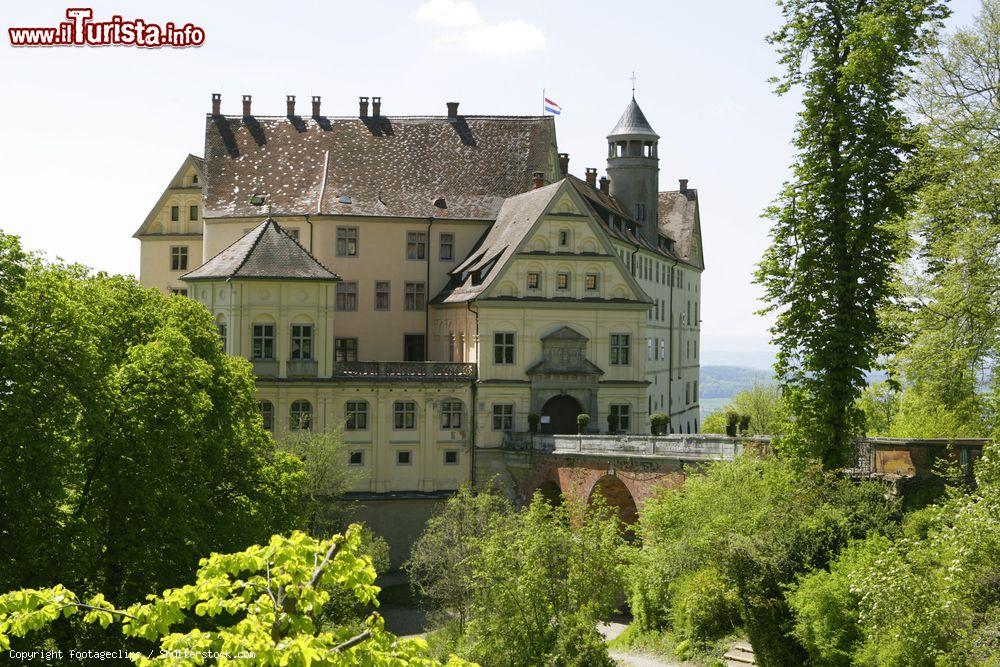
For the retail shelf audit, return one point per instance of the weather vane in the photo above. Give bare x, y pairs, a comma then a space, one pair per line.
633, 82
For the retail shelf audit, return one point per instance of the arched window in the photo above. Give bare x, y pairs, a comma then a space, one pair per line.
300, 416
267, 414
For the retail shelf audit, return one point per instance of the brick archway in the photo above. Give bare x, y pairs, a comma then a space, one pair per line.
551, 493
617, 496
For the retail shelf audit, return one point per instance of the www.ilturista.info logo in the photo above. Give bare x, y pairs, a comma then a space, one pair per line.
81, 30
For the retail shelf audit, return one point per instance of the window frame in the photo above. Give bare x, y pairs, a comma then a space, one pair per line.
502, 413
618, 410
343, 238
387, 292
305, 417
175, 214
360, 455
620, 349
537, 275
451, 414
356, 410
596, 280
507, 348
448, 452
193, 213
303, 337
450, 245
416, 241
266, 415
178, 258
338, 348
560, 276
414, 296
264, 338
400, 411
409, 457
342, 289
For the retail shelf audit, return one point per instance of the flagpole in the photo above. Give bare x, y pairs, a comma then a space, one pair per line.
543, 101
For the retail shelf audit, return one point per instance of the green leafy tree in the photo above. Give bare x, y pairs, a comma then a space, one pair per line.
442, 558
263, 605
762, 404
324, 457
131, 444
837, 232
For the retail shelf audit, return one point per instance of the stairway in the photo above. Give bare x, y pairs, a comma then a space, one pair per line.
740, 654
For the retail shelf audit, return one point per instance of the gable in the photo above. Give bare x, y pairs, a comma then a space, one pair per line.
183, 190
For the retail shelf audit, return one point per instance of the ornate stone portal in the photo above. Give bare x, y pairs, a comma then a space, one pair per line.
563, 375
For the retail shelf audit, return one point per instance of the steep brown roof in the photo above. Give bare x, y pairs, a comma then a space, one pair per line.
386, 166
679, 221
266, 252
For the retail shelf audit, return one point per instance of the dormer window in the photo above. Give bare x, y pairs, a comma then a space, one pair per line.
640, 211
194, 179
563, 238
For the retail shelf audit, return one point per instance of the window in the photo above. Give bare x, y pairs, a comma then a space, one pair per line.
451, 457
302, 341
503, 416
404, 457
175, 213
294, 233
640, 212
656, 351
222, 328
620, 414
404, 415
413, 296
179, 291
178, 258
345, 349
347, 296
663, 349
687, 393
503, 348
263, 342
451, 415
357, 458
416, 245
414, 347
563, 237
694, 393
562, 281
300, 416
447, 246
382, 288
649, 349
193, 212
534, 280
356, 416
347, 241
591, 282
266, 414
621, 348
689, 323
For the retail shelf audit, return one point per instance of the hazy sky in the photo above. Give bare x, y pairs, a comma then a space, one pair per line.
90, 136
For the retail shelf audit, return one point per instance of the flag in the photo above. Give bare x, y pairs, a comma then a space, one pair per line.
552, 107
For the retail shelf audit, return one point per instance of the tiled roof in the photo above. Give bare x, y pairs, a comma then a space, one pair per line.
516, 218
633, 122
265, 252
679, 221
382, 166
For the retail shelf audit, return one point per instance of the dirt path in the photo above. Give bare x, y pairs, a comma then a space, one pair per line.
632, 658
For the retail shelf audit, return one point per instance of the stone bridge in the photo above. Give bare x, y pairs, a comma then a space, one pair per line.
627, 470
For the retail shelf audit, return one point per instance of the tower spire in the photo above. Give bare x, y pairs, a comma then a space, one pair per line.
633, 83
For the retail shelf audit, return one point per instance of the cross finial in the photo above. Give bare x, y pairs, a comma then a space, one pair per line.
633, 79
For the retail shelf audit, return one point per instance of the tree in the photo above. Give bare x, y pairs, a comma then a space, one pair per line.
131, 443
324, 457
951, 316
263, 603
764, 406
836, 233
441, 560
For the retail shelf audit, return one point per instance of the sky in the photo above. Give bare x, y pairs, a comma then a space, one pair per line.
90, 136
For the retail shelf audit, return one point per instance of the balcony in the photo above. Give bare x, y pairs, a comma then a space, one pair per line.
265, 367
404, 370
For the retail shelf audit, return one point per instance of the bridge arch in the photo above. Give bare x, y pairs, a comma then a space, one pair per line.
617, 497
551, 492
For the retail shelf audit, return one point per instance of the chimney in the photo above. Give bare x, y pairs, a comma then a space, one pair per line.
216, 104
592, 177
605, 184
246, 106
452, 109
363, 107
564, 163
376, 106
316, 101
290, 105
538, 179
684, 184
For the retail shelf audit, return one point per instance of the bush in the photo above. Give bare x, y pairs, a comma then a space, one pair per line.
659, 423
579, 644
582, 422
703, 606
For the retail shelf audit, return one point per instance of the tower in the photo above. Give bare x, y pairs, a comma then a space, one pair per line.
634, 168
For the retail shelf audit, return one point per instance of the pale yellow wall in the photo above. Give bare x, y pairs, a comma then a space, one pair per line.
380, 441
154, 260
161, 233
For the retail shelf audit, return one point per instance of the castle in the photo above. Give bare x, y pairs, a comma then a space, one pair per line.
437, 286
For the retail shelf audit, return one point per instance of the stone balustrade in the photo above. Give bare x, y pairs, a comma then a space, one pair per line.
404, 370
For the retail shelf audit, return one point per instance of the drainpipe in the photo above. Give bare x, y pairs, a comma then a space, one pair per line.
670, 351
427, 294
473, 409
309, 222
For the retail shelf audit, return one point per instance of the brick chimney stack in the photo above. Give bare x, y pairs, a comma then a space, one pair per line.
246, 106
290, 105
376, 106
452, 109
605, 184
564, 163
363, 107
216, 104
684, 184
316, 102
538, 179
592, 177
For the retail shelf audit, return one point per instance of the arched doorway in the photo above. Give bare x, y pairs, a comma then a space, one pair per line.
617, 497
561, 411
551, 493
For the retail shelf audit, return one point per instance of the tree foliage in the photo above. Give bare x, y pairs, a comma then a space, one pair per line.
263, 605
131, 443
764, 406
837, 231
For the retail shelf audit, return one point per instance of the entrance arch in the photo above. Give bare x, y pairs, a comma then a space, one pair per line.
618, 498
551, 493
561, 411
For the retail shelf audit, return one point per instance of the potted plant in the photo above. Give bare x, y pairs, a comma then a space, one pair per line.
732, 424
533, 421
659, 423
612, 423
582, 422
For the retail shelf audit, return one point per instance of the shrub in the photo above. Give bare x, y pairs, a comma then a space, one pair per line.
579, 644
659, 423
704, 607
533, 421
582, 422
